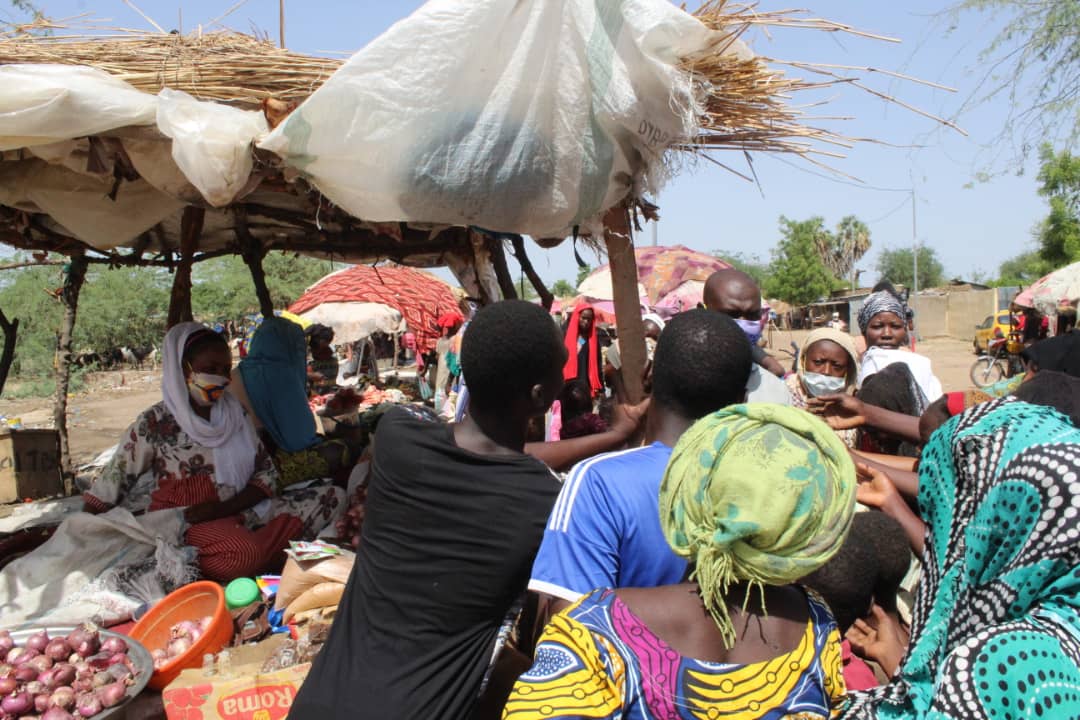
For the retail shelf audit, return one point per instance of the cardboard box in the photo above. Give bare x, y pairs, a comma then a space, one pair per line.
247, 694
29, 465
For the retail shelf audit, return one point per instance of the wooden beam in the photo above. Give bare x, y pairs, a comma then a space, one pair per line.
502, 270
11, 330
546, 298
624, 283
252, 251
69, 296
191, 226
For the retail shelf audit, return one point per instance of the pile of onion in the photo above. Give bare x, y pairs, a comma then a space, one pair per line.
182, 636
63, 677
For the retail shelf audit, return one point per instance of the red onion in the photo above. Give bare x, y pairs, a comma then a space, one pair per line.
41, 663
86, 648
7, 685
204, 623
6, 643
38, 641
26, 673
114, 645
11, 655
24, 656
58, 649
83, 685
88, 704
102, 679
7, 670
63, 697
112, 695
56, 713
17, 703
36, 687
62, 675
41, 702
48, 679
99, 661
178, 647
75, 637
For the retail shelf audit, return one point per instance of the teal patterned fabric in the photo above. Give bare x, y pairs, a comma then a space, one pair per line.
996, 628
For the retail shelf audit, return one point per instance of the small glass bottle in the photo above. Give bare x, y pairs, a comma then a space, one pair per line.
224, 664
208, 665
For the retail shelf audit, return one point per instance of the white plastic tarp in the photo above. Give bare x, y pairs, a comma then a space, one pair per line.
212, 143
531, 117
41, 104
352, 321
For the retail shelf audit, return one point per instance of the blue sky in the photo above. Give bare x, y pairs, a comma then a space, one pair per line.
973, 226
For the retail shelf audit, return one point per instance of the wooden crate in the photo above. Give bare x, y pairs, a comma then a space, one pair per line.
29, 465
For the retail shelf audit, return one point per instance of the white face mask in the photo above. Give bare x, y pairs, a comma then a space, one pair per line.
818, 385
206, 389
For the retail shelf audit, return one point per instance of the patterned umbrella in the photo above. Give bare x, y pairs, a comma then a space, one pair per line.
419, 297
660, 270
1061, 287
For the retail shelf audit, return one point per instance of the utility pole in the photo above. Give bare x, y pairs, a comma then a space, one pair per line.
914, 256
281, 23
655, 231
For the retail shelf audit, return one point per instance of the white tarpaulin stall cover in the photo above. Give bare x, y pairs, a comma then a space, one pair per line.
352, 321
529, 117
50, 110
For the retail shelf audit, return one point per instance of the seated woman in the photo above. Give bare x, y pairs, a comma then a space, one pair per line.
322, 371
883, 323
196, 450
754, 497
828, 365
270, 384
996, 631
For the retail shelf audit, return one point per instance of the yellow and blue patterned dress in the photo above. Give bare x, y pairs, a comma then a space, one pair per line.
598, 660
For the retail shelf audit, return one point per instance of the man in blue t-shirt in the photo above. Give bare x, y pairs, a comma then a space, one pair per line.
604, 530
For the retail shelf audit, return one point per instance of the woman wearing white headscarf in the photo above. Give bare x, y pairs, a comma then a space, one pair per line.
197, 450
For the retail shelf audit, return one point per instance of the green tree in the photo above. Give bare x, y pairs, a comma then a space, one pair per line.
563, 289
1022, 269
897, 266
583, 272
222, 287
1031, 67
797, 274
752, 265
1059, 183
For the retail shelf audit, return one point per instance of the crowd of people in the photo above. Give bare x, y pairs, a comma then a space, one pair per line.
841, 538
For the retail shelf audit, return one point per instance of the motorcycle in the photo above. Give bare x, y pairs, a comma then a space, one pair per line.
1001, 360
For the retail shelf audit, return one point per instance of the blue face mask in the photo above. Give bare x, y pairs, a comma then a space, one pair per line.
751, 328
819, 385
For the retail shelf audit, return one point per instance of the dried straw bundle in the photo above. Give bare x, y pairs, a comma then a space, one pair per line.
224, 66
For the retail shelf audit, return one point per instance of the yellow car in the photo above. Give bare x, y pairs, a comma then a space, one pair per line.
994, 326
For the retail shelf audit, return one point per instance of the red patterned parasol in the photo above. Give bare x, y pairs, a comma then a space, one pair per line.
419, 297
660, 270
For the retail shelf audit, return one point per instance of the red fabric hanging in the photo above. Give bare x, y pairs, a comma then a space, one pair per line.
570, 371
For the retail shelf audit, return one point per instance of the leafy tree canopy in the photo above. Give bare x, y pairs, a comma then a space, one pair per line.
798, 276
752, 265
1022, 269
897, 266
222, 287
1031, 67
583, 272
1059, 181
563, 289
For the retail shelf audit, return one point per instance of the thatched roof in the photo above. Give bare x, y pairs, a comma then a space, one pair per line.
747, 106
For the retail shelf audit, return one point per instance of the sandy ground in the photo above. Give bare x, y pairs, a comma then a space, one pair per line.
100, 414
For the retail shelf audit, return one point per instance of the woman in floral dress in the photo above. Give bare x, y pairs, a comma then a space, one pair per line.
196, 450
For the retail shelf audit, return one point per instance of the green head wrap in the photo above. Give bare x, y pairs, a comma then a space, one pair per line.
757, 493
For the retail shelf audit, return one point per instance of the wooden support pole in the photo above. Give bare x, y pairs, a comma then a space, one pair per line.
191, 225
253, 252
546, 298
502, 270
73, 283
11, 330
624, 283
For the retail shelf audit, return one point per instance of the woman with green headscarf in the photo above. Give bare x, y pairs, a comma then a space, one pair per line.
755, 497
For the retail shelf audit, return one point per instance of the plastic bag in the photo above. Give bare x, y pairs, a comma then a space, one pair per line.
297, 578
527, 117
212, 143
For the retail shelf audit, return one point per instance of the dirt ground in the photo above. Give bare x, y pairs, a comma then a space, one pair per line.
99, 414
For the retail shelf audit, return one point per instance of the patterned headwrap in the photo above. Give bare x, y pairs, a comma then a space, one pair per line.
996, 625
879, 302
758, 493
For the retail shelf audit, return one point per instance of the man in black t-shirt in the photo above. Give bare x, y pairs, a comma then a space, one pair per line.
454, 517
